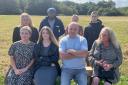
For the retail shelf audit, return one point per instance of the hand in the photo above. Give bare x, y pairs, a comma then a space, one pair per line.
71, 51
107, 67
99, 62
24, 70
17, 71
20, 71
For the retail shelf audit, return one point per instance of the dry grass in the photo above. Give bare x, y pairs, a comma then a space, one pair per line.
118, 24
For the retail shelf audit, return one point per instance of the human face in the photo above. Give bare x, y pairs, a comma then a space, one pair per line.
73, 30
80, 32
25, 35
75, 19
104, 36
45, 35
25, 21
94, 17
51, 15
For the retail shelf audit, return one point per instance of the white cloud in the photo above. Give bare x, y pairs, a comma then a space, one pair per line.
121, 3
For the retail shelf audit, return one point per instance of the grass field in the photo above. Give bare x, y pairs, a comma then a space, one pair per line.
118, 24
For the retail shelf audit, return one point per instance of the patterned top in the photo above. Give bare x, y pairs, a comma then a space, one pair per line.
110, 54
22, 53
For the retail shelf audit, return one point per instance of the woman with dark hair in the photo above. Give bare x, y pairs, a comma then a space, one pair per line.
46, 58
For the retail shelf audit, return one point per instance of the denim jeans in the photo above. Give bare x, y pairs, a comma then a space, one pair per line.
79, 75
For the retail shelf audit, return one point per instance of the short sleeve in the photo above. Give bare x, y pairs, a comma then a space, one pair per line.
84, 45
11, 50
62, 46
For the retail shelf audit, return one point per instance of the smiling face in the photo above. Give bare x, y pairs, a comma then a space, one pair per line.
104, 36
25, 35
73, 29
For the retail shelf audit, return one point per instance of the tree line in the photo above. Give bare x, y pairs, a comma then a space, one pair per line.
39, 7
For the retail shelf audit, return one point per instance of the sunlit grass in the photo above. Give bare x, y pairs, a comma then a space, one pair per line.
7, 24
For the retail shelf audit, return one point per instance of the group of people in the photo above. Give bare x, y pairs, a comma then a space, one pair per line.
35, 54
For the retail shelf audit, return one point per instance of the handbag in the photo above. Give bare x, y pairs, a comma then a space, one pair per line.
106, 74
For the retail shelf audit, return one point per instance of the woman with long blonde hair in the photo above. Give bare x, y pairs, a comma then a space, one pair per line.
46, 58
25, 20
106, 57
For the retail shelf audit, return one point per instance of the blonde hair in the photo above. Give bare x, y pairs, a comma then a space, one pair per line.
28, 17
26, 28
51, 35
74, 15
95, 13
111, 35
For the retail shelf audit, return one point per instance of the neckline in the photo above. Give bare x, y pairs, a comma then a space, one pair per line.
46, 46
25, 43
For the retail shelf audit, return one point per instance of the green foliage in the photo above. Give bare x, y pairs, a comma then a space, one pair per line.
124, 10
7, 24
9, 7
39, 7
109, 12
1, 79
106, 4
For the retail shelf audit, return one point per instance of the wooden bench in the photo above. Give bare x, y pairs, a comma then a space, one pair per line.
89, 70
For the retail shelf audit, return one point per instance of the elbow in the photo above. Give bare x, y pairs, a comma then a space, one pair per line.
86, 54
116, 65
120, 63
61, 56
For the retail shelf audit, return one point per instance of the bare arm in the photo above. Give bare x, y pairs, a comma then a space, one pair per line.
65, 56
78, 53
13, 63
27, 67
30, 64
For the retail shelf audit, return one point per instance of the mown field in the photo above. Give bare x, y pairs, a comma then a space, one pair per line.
8, 22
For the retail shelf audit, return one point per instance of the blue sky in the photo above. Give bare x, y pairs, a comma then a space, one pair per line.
119, 3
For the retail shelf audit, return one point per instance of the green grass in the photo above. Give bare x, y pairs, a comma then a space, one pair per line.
7, 24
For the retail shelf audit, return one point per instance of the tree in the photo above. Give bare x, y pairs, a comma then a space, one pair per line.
39, 7
91, 6
9, 7
72, 7
23, 5
106, 4
109, 12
